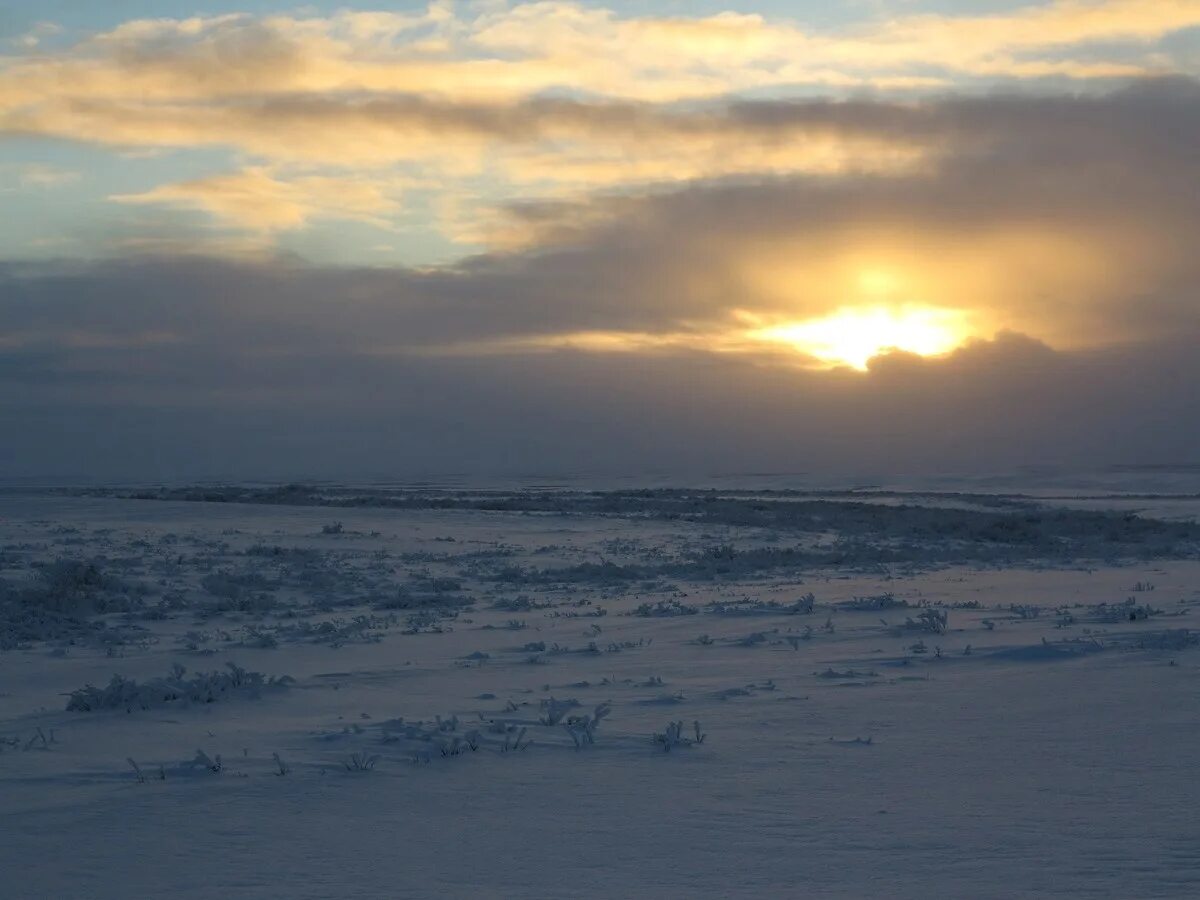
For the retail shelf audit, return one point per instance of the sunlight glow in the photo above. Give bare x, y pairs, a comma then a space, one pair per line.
877, 282
852, 336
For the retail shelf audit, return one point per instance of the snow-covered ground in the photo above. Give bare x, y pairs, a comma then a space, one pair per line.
454, 693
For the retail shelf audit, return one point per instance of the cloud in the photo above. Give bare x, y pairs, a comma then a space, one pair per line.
495, 170
189, 368
37, 175
501, 103
35, 35
633, 247
1060, 217
615, 337
257, 200
204, 79
509, 51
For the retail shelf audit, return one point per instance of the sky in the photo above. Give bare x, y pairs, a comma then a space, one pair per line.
266, 240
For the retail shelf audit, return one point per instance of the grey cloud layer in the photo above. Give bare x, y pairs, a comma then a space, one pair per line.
233, 410
175, 363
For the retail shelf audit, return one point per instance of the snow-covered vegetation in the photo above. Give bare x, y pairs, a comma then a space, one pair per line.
480, 681
175, 688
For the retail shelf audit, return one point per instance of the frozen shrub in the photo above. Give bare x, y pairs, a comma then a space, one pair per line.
259, 639
833, 674
22, 623
128, 694
1129, 611
876, 603
69, 585
854, 741
554, 710
582, 729
523, 603
430, 621
754, 639
516, 743
204, 761
406, 598
673, 736
40, 740
57, 603
243, 592
933, 621
334, 632
72, 588
360, 762
584, 573
665, 608
801, 606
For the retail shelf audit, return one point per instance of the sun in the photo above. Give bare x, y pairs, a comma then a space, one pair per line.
851, 336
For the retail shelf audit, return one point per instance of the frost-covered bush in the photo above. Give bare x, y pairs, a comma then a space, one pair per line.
801, 606
1129, 611
65, 582
665, 608
59, 600
430, 621
933, 621
757, 637
582, 729
606, 572
243, 592
259, 638
522, 603
360, 761
78, 587
364, 629
204, 761
554, 711
22, 623
439, 585
876, 603
408, 597
203, 687
673, 736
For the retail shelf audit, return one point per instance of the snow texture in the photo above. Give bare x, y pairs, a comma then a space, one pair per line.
312, 691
